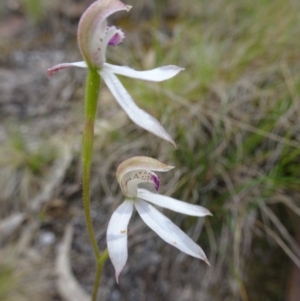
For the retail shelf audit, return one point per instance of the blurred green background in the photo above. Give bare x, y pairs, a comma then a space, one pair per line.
233, 113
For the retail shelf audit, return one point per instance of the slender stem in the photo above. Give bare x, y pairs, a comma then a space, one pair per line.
87, 145
91, 94
91, 98
100, 262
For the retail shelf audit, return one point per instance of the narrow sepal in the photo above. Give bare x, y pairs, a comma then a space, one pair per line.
168, 231
156, 75
172, 204
62, 66
138, 116
116, 236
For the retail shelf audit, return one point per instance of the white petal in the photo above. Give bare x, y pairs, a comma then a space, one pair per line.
116, 236
172, 204
59, 67
155, 75
168, 231
140, 117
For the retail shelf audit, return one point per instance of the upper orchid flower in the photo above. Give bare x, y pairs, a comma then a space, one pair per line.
93, 38
130, 174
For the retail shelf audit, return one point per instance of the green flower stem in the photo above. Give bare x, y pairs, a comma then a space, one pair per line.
87, 146
100, 262
91, 99
91, 94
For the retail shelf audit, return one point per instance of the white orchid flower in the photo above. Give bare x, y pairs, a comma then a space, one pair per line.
130, 174
93, 38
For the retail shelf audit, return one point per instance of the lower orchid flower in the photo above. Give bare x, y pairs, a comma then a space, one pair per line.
130, 174
93, 38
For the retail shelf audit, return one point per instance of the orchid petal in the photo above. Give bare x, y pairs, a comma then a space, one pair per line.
136, 170
100, 41
172, 204
155, 75
59, 67
92, 26
116, 236
130, 181
140, 117
168, 231
141, 163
